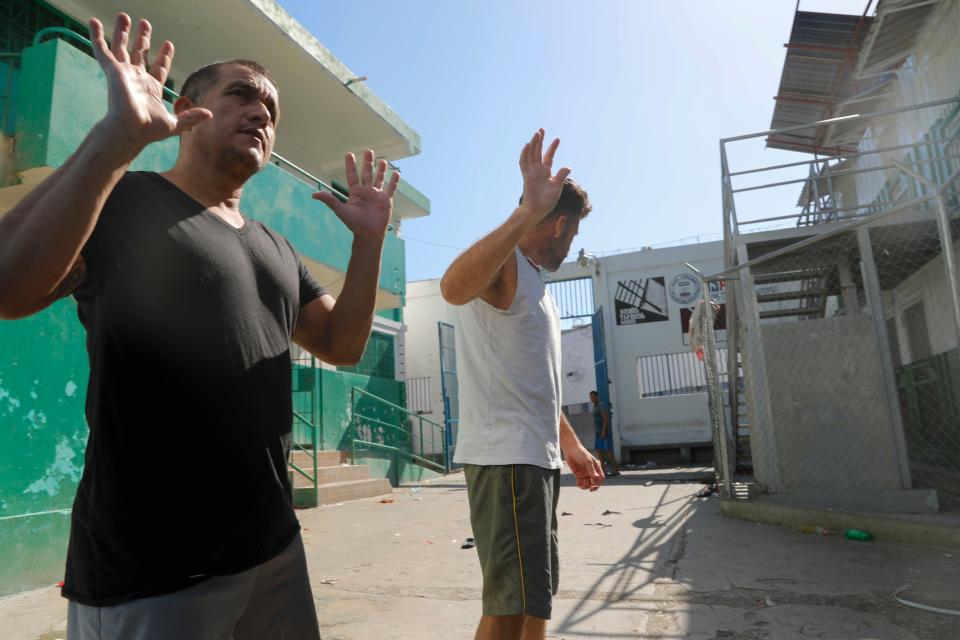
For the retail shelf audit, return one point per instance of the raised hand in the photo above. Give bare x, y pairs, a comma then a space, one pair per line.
541, 188
367, 211
135, 93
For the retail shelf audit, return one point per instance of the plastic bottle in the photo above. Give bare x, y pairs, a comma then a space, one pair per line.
856, 534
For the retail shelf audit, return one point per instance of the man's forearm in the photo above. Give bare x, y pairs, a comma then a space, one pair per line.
352, 315
42, 236
568, 437
475, 269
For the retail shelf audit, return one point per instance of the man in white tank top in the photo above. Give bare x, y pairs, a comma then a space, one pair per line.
511, 427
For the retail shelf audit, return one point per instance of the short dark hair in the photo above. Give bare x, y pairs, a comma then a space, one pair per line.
573, 201
200, 81
594, 393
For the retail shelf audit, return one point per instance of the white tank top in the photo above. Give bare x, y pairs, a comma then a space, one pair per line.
509, 377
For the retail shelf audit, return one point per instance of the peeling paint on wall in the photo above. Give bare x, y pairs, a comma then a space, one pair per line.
71, 388
12, 404
62, 470
36, 419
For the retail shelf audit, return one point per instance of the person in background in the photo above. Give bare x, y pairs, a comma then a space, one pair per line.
603, 443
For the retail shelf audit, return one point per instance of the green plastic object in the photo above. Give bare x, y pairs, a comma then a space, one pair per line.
856, 534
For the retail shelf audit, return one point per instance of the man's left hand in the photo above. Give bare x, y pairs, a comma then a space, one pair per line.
586, 469
367, 210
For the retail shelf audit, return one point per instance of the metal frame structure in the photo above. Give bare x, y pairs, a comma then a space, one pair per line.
819, 224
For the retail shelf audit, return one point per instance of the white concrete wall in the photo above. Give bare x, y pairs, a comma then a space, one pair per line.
930, 285
931, 73
425, 308
650, 421
579, 377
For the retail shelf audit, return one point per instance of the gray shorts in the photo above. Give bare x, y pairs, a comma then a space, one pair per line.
270, 601
513, 512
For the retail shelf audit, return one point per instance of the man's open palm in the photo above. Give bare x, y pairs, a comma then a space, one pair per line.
369, 206
135, 93
541, 188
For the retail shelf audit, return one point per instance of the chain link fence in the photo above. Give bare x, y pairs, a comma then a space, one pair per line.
847, 336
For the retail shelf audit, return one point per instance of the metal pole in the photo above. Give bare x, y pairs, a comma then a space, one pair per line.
714, 399
833, 195
946, 242
446, 453
814, 175
317, 441
871, 286
763, 439
731, 300
315, 399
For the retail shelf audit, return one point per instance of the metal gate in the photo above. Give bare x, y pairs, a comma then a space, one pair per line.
449, 388
600, 358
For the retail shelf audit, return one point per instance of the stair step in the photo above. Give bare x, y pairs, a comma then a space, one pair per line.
352, 490
328, 475
786, 313
788, 276
324, 459
791, 295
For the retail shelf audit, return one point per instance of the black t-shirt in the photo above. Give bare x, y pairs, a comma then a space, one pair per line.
189, 323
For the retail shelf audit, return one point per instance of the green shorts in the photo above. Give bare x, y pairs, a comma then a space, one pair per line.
513, 511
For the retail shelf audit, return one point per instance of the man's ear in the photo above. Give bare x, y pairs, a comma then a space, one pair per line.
182, 104
559, 225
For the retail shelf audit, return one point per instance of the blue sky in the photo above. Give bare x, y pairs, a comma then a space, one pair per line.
638, 91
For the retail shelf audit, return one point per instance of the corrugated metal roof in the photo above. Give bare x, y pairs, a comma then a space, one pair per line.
896, 27
820, 59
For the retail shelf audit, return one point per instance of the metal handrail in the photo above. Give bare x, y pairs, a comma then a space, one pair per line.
299, 417
60, 31
846, 172
313, 451
850, 118
818, 215
399, 408
842, 156
410, 415
397, 450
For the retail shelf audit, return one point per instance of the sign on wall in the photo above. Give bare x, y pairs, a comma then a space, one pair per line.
718, 291
684, 289
641, 301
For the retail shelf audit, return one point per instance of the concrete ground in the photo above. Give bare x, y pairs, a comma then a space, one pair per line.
660, 564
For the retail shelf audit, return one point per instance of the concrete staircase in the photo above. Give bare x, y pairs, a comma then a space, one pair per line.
336, 482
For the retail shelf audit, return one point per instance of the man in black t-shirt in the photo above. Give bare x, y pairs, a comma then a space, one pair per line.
185, 298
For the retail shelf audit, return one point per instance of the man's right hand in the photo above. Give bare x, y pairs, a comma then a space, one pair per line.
541, 189
136, 113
